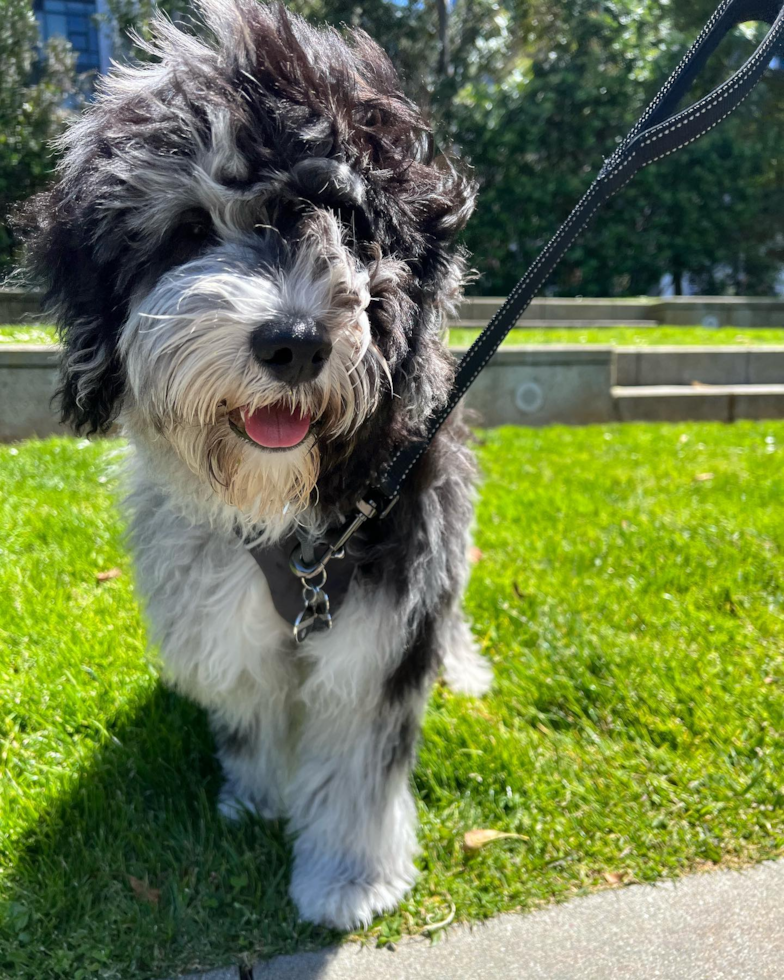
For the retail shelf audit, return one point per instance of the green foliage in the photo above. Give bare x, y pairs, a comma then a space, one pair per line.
34, 86
535, 94
629, 595
537, 138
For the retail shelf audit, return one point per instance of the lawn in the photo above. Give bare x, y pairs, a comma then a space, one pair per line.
634, 336
27, 334
617, 336
629, 591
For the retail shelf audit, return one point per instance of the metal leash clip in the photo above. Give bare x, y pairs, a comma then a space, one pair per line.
306, 565
315, 616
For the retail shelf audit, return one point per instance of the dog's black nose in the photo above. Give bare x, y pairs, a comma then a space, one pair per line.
293, 348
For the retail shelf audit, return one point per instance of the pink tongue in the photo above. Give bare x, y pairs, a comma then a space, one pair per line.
276, 426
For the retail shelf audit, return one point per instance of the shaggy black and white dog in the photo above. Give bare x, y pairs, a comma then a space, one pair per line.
250, 252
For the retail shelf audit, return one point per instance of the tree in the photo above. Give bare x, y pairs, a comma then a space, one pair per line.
34, 87
537, 138
534, 94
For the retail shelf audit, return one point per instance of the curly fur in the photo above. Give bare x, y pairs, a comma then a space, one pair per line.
259, 170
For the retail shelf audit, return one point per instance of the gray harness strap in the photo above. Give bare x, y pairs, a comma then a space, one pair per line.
286, 590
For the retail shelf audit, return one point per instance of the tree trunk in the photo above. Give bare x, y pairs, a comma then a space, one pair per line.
444, 67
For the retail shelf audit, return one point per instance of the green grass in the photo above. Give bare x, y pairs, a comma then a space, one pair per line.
634, 336
27, 334
631, 596
617, 336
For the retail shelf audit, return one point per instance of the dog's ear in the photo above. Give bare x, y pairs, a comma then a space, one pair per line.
445, 203
63, 255
443, 200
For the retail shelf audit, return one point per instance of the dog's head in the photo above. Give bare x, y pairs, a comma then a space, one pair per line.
249, 251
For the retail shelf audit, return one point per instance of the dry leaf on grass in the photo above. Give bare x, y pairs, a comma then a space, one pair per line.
143, 891
702, 477
613, 877
475, 840
107, 576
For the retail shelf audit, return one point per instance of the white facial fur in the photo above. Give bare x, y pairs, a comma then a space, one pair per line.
187, 354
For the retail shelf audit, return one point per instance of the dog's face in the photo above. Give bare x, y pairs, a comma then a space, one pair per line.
249, 252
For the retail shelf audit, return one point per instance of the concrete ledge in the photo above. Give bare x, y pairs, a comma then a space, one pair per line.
28, 379
761, 403
22, 306
713, 403
543, 385
721, 311
546, 309
29, 355
532, 385
676, 365
708, 311
766, 366
529, 324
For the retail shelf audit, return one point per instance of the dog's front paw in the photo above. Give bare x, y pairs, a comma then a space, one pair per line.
335, 895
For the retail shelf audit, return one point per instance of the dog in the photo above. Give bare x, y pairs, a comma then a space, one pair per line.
250, 252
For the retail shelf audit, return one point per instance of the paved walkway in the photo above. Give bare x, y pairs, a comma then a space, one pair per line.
726, 925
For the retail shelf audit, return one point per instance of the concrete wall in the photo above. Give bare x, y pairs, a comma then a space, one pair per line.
703, 365
526, 386
18, 306
533, 386
721, 311
547, 384
28, 378
481, 308
708, 311
711, 403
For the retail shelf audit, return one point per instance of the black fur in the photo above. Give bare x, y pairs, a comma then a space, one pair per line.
299, 127
401, 743
360, 147
418, 663
312, 104
235, 739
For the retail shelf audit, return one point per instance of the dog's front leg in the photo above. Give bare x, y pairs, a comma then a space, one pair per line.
350, 801
223, 645
252, 734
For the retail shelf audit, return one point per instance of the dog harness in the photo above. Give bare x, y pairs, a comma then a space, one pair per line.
302, 602
660, 132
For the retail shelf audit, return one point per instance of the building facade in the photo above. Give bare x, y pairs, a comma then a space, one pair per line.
82, 22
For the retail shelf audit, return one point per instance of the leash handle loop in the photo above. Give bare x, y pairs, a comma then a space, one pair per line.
660, 132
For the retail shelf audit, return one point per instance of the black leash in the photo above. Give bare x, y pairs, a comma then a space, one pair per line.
660, 132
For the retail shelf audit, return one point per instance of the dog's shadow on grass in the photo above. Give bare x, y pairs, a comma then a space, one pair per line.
132, 874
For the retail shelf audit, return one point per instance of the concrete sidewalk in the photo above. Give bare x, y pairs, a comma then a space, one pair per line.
725, 925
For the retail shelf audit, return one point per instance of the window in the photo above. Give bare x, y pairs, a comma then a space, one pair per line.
72, 19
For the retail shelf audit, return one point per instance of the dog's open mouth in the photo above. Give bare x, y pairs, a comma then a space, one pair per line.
276, 426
